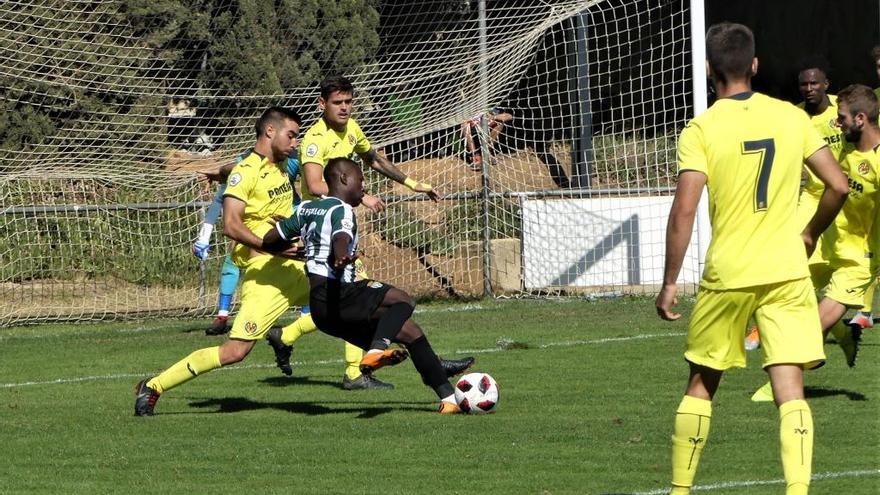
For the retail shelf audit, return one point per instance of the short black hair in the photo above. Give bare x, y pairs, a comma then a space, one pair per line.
275, 115
814, 62
730, 49
332, 84
860, 99
336, 167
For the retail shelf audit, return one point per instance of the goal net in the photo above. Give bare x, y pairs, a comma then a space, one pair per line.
549, 127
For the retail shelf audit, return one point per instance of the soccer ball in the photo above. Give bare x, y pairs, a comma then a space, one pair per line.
476, 393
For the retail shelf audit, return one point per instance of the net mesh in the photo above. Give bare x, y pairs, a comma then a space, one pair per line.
550, 133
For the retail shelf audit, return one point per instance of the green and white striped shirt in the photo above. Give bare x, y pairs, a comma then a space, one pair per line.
316, 222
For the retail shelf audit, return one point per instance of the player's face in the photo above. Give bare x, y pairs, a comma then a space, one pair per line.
356, 188
813, 85
851, 125
337, 108
285, 140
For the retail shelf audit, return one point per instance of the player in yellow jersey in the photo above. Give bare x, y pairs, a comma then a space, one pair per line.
822, 108
258, 190
864, 318
857, 117
846, 278
337, 135
748, 150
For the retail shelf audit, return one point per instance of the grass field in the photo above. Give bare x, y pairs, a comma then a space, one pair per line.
587, 400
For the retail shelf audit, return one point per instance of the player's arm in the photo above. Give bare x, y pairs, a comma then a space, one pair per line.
678, 237
341, 241
314, 178
384, 166
826, 168
233, 223
218, 175
283, 240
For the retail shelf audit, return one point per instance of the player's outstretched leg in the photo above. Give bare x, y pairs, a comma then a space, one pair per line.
147, 392
393, 312
428, 365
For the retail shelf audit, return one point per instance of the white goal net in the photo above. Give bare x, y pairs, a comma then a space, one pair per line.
549, 127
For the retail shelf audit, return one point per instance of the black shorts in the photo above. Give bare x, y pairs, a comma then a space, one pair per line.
345, 310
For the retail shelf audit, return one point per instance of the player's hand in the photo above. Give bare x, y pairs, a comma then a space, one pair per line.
374, 203
809, 243
339, 262
427, 189
200, 250
665, 301
213, 175
293, 252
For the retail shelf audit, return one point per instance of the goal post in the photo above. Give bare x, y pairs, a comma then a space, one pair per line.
549, 127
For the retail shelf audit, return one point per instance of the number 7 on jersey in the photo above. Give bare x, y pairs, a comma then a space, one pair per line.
766, 150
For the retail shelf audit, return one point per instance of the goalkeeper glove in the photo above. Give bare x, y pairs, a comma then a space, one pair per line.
200, 250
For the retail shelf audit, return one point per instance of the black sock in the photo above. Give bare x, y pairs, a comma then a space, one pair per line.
428, 365
390, 324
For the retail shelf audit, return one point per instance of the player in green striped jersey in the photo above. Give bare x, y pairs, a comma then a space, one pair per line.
367, 313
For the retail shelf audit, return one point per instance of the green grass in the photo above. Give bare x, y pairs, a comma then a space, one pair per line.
586, 408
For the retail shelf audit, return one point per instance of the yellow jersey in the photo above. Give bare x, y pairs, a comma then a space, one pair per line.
321, 143
848, 237
265, 188
751, 147
826, 124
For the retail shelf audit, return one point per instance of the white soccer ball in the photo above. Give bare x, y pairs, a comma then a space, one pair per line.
476, 393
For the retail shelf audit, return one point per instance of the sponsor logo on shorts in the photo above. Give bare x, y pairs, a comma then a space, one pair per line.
312, 150
234, 179
374, 284
250, 328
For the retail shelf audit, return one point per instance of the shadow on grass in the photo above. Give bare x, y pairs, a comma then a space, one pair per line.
816, 392
285, 381
239, 404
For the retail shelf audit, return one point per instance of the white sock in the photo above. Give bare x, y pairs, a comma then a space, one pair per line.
223, 312
205, 232
450, 399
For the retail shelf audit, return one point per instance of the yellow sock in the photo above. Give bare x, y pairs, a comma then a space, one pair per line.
691, 430
353, 356
796, 445
197, 363
303, 325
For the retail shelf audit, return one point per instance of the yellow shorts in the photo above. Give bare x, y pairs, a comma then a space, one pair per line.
842, 280
270, 285
786, 313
